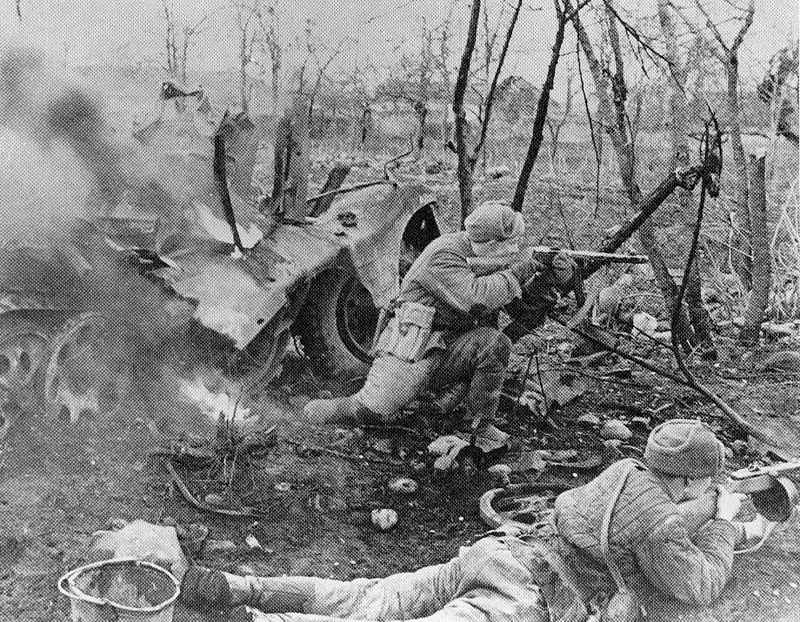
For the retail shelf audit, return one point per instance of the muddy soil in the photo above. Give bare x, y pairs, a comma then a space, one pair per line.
58, 485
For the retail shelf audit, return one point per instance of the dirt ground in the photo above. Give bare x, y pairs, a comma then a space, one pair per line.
58, 485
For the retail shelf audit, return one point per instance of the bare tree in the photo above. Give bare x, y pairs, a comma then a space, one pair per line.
779, 90
762, 263
679, 135
468, 158
270, 46
555, 123
177, 47
728, 56
18, 6
611, 93
442, 64
564, 14
245, 21
412, 81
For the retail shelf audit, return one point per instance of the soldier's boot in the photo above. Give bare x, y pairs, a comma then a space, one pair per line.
205, 590
335, 410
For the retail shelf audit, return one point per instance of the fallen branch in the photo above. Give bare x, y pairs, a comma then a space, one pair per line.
592, 334
245, 512
681, 178
339, 454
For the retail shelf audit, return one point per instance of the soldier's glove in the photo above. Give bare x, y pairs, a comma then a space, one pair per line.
563, 269
525, 270
205, 590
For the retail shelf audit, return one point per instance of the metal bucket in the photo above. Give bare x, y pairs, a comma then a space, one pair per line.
120, 590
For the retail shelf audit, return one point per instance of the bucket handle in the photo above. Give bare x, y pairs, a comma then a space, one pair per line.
72, 591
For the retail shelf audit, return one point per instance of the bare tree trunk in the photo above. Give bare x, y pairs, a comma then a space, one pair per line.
679, 130
243, 61
728, 56
762, 270
541, 112
613, 116
421, 110
464, 165
742, 262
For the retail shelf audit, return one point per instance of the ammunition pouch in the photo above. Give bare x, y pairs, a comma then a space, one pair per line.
408, 334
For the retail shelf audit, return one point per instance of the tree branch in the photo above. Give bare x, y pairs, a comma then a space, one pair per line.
541, 109
490, 97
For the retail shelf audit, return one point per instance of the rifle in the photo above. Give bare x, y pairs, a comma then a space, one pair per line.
482, 266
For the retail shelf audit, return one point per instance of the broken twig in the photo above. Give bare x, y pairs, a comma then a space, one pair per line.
339, 454
245, 512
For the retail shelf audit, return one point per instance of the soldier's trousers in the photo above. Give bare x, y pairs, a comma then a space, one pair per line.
478, 358
485, 583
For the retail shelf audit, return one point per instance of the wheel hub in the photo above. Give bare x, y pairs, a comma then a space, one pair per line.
356, 319
90, 371
22, 352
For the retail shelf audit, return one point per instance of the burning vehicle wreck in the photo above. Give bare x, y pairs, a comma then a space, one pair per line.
176, 242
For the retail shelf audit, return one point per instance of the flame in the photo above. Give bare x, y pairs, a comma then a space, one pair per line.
211, 404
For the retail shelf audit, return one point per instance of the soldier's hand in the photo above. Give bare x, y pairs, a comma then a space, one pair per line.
728, 504
563, 269
526, 270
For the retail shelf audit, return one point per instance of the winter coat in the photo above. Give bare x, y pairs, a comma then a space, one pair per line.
442, 278
648, 537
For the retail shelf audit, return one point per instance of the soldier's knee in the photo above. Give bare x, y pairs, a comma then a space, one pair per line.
495, 345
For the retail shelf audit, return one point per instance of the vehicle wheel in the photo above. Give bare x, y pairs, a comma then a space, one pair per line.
91, 369
337, 324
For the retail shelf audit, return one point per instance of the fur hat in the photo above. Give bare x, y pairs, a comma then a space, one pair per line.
684, 448
494, 228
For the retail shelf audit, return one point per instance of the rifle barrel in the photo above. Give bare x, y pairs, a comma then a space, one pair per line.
589, 255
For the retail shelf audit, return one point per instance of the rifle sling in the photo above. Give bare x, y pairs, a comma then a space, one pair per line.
613, 568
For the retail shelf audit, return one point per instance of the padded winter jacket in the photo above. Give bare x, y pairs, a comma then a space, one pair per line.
441, 278
648, 536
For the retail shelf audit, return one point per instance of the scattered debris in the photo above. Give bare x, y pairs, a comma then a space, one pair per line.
554, 388
304, 449
384, 519
785, 360
490, 439
252, 542
501, 473
282, 487
403, 485
615, 429
589, 420
497, 172
644, 324
219, 546
192, 500
530, 461
447, 449
214, 499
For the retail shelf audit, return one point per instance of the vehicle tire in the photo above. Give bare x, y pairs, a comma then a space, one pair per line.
336, 325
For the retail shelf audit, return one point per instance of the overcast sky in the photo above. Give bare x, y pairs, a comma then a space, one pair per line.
126, 31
